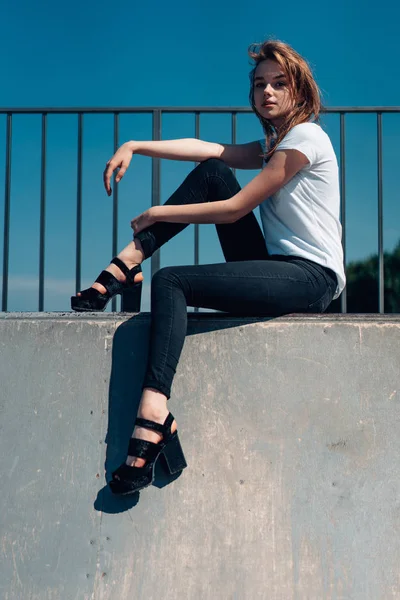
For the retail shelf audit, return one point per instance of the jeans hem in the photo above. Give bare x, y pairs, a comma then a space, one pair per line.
160, 387
146, 239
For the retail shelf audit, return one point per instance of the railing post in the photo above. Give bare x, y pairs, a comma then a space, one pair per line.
196, 225
156, 176
233, 134
78, 265
343, 297
381, 304
114, 251
42, 213
7, 196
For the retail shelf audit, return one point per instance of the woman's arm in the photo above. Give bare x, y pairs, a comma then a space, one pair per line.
283, 165
220, 211
240, 156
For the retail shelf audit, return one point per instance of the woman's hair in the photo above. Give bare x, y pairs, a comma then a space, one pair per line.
301, 84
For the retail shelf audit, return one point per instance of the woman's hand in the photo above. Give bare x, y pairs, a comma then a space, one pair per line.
121, 160
144, 220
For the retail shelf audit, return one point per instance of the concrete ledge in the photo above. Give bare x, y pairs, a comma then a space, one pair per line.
290, 427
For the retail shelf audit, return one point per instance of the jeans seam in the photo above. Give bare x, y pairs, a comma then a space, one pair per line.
162, 369
321, 298
233, 276
217, 176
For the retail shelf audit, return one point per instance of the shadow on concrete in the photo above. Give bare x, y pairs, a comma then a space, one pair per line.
129, 359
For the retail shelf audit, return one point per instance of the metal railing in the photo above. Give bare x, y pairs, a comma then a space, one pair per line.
156, 180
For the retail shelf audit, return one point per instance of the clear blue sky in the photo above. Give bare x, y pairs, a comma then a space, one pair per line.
174, 54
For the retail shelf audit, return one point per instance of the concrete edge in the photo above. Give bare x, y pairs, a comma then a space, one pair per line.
205, 317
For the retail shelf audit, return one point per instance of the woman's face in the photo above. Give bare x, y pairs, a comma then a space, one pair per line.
272, 97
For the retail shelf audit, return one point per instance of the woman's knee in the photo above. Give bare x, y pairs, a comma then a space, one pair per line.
165, 275
220, 178
168, 283
214, 165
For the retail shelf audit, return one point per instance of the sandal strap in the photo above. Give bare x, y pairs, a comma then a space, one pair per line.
108, 281
111, 283
121, 265
129, 273
150, 425
164, 428
127, 473
168, 422
143, 449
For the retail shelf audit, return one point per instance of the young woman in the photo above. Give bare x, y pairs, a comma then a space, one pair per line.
296, 267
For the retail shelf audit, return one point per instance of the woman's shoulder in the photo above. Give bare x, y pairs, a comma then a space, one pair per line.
310, 131
308, 135
310, 139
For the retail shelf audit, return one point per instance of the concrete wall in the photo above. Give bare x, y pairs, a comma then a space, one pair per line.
291, 431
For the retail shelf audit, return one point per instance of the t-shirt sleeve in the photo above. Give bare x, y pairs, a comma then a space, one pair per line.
303, 139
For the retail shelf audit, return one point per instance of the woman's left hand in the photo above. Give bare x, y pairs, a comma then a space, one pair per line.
144, 220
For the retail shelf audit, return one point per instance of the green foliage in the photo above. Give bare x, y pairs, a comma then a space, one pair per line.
363, 287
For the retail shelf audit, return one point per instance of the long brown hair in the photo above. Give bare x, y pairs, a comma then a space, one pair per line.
301, 84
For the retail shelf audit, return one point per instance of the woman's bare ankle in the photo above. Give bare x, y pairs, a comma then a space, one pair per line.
154, 403
132, 254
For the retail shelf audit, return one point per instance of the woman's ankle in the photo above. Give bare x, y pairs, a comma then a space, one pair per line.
153, 402
132, 254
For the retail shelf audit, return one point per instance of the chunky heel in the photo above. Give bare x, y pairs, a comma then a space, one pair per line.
129, 480
173, 454
131, 298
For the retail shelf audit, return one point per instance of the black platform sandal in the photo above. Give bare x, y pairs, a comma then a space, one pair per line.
92, 300
128, 480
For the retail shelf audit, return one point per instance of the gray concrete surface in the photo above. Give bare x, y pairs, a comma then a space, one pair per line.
291, 432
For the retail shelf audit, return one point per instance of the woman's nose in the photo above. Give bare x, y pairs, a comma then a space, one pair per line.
268, 90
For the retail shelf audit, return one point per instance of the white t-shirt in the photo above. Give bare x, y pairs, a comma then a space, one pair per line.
302, 218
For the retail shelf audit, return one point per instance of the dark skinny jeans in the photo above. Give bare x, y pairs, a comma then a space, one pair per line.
250, 283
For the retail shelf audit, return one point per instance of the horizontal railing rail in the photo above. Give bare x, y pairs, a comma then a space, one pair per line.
157, 113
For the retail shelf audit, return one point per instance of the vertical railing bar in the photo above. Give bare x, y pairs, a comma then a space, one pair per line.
78, 266
380, 217
155, 185
343, 297
233, 128
196, 225
7, 197
115, 206
42, 213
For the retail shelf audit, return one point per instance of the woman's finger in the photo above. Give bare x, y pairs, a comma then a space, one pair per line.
135, 224
107, 177
121, 172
